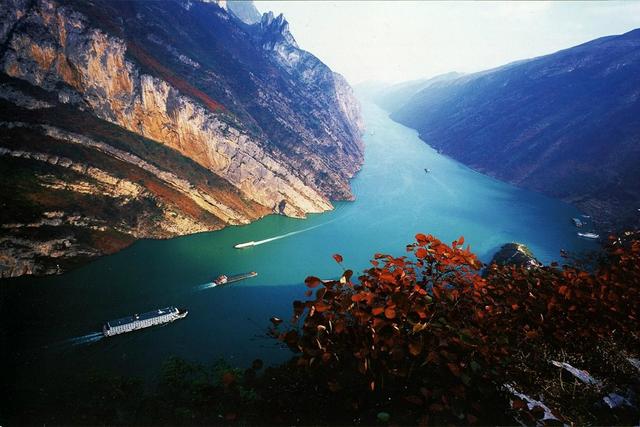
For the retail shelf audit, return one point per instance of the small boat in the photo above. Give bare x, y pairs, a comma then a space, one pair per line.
577, 222
427, 170
144, 320
223, 279
245, 245
589, 235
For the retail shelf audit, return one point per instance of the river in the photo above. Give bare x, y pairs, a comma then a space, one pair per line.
50, 326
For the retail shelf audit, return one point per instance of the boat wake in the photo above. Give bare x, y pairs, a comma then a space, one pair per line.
79, 341
204, 286
282, 236
88, 339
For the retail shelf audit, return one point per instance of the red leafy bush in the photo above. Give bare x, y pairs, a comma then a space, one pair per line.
427, 339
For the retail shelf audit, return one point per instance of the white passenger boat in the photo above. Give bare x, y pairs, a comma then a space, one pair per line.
144, 320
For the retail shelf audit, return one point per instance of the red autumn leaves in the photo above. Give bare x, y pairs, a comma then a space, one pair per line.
430, 323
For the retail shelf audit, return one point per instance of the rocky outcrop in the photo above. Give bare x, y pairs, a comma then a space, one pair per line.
515, 254
269, 126
19, 257
106, 196
274, 36
48, 241
106, 185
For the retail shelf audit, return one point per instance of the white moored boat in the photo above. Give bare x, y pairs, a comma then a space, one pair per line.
144, 320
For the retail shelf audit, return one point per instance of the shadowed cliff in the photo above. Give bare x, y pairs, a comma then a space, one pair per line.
564, 124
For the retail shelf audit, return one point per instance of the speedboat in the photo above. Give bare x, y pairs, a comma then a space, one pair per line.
589, 235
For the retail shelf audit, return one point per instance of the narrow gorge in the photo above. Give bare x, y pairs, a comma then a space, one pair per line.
564, 124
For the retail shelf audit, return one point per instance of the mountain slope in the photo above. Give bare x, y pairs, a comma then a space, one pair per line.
565, 124
155, 119
394, 96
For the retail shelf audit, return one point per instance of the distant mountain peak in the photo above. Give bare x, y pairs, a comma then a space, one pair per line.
275, 29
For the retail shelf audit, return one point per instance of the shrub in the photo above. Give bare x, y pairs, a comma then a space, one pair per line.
427, 339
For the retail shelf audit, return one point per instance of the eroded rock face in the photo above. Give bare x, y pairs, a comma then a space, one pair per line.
19, 257
273, 129
67, 49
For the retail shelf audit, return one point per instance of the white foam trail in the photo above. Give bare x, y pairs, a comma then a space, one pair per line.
205, 286
82, 340
282, 236
271, 239
88, 339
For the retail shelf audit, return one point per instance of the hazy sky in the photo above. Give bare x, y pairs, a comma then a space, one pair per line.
397, 41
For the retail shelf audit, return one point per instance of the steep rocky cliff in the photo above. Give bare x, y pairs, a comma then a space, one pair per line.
154, 119
565, 124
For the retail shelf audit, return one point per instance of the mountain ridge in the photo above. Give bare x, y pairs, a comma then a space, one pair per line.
564, 124
266, 135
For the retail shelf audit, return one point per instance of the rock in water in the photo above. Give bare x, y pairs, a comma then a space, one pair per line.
515, 254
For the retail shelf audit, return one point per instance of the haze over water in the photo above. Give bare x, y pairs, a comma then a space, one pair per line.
395, 199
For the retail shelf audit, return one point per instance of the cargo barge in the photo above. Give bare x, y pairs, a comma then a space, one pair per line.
224, 279
144, 320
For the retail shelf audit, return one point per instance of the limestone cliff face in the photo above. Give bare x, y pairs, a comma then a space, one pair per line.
274, 35
67, 50
256, 113
340, 125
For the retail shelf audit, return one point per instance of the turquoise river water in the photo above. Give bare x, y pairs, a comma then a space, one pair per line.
50, 326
